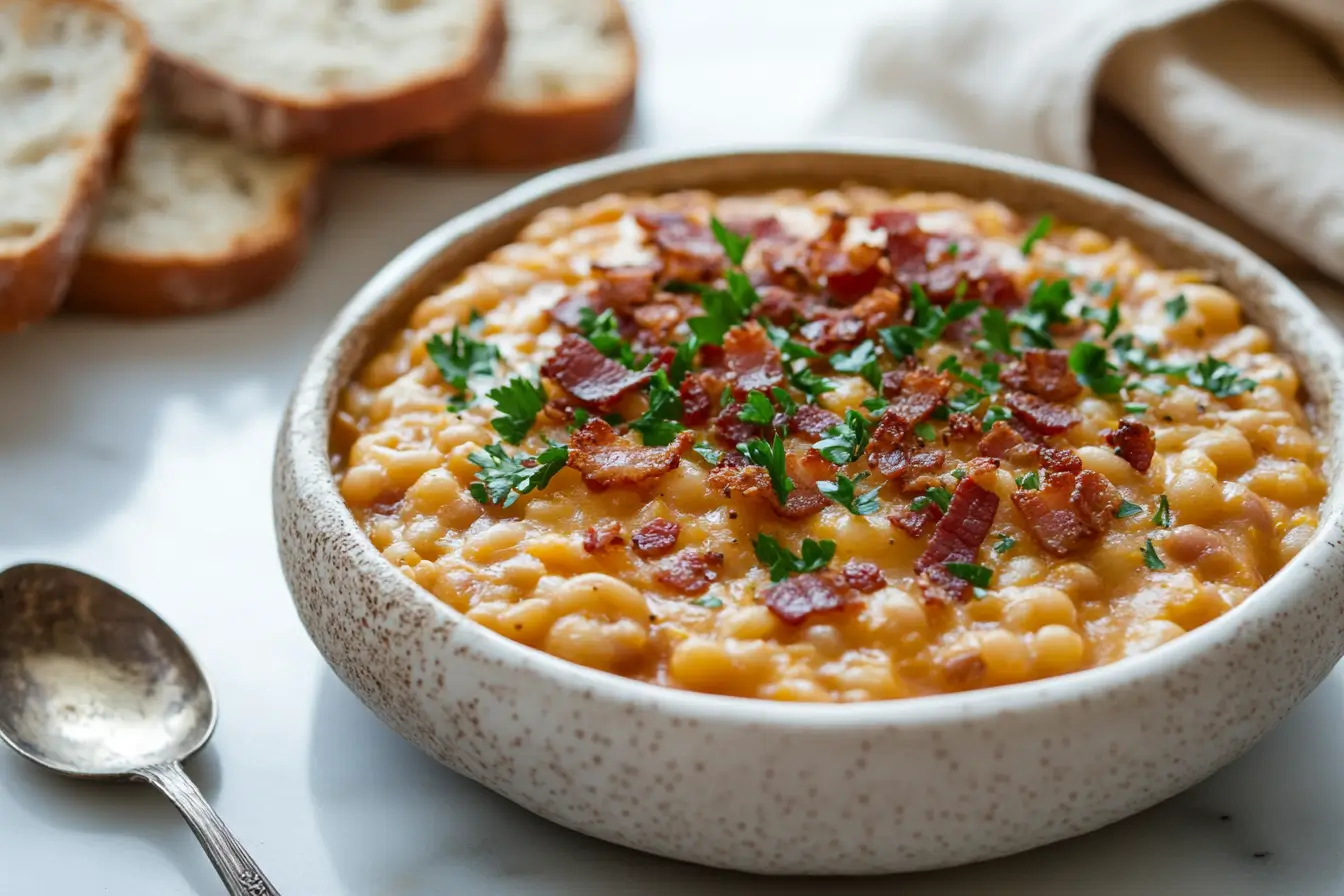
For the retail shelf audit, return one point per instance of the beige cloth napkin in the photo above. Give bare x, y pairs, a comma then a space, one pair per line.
1246, 100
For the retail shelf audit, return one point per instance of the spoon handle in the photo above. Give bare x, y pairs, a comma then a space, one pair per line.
236, 868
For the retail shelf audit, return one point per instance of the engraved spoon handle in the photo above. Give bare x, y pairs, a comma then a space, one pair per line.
236, 868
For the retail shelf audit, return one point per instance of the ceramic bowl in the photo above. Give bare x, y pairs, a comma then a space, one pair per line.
787, 788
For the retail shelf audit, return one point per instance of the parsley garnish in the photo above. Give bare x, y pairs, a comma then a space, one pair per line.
875, 404
784, 401
1044, 309
501, 478
709, 602
660, 424
788, 348
994, 415
925, 431
782, 561
996, 334
1150, 558
933, 495
952, 249
772, 456
519, 401
580, 417
602, 331
460, 358
1004, 543
724, 308
1109, 319
978, 576
808, 382
1128, 509
842, 491
862, 359
1219, 377
1163, 515
927, 324
757, 409
1176, 307
1029, 481
1038, 231
1102, 288
1136, 407
734, 244
1139, 356
711, 455
1089, 363
845, 442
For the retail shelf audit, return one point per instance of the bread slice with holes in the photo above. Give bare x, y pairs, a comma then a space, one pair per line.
566, 91
71, 72
195, 224
330, 77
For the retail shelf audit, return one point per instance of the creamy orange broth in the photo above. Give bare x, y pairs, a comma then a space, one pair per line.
1241, 474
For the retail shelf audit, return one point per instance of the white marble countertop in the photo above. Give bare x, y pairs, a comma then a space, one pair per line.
143, 453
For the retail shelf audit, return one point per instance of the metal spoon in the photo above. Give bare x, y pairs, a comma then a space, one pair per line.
94, 685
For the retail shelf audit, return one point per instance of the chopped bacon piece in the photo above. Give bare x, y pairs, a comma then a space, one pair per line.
656, 537
880, 308
917, 474
590, 376
1134, 442
602, 536
568, 312
813, 420
964, 427
848, 274
956, 539
763, 229
624, 286
753, 360
832, 332
1039, 415
734, 474
605, 458
863, 577
730, 428
1069, 510
785, 265
921, 392
798, 597
782, 307
999, 441
691, 572
696, 405
915, 522
1060, 460
1044, 373
658, 321
688, 248
922, 258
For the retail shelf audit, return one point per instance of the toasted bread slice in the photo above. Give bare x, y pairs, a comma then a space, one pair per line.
193, 224
71, 72
330, 77
566, 91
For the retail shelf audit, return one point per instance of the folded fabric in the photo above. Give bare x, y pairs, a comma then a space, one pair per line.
1247, 100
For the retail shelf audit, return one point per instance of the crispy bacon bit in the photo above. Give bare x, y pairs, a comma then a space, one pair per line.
782, 307
1060, 460
696, 405
568, 311
1069, 511
915, 522
963, 427
880, 308
1044, 373
925, 259
848, 274
691, 572
1039, 415
656, 537
921, 391
688, 248
798, 597
956, 539
863, 577
590, 376
624, 286
813, 421
753, 360
658, 321
917, 474
605, 458
731, 429
1134, 442
763, 229
999, 441
734, 474
832, 332
602, 536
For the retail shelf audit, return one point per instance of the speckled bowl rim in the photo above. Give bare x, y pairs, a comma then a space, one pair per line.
360, 326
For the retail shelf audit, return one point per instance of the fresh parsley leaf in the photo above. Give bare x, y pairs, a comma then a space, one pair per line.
808, 382
952, 249
996, 334
994, 415
501, 478
928, 322
1088, 361
660, 424
1133, 353
784, 401
1136, 407
772, 456
1150, 558
959, 473
782, 562
925, 431
1109, 319
1004, 543
518, 401
734, 244
966, 402
1162, 517
843, 492
1038, 231
875, 405
757, 409
711, 455
1029, 481
846, 441
580, 417
709, 602
460, 358
1044, 309
783, 340
1177, 306
978, 576
1102, 288
940, 496
1128, 509
602, 330
1219, 377
862, 359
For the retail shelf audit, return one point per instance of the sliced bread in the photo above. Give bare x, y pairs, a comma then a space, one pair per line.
71, 72
566, 90
194, 224
330, 77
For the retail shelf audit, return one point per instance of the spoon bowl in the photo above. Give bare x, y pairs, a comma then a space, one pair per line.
93, 684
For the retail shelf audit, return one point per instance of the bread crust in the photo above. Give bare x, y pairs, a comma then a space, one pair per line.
509, 136
353, 126
148, 286
32, 284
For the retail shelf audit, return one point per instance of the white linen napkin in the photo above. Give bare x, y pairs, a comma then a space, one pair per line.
1246, 99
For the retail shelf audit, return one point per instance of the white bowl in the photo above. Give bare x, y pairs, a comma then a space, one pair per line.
797, 788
